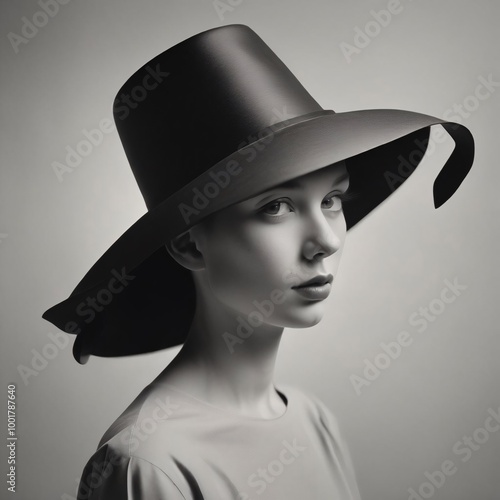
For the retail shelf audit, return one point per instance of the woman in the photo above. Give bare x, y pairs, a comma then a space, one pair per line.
242, 238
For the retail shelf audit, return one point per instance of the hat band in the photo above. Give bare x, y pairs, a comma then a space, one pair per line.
276, 127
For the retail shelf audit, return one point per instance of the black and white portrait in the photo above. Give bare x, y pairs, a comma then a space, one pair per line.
248, 250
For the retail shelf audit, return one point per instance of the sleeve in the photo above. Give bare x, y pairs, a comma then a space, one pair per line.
331, 426
109, 475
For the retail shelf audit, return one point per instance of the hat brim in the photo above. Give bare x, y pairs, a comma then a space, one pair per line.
148, 313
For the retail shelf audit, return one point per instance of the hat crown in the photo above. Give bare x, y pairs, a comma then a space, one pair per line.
200, 101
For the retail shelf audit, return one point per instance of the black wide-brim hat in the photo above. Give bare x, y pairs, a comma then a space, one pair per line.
210, 122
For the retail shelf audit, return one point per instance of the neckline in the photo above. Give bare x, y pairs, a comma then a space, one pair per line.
232, 414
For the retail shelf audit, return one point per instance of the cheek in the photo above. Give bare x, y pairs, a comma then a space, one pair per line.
248, 267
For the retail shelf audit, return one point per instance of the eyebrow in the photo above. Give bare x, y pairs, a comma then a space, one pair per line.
296, 184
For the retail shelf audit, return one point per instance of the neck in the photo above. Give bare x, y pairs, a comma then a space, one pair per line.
228, 362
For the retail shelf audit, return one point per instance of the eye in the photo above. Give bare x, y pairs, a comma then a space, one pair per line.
333, 202
277, 208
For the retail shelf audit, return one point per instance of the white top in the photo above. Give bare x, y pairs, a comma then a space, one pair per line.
169, 445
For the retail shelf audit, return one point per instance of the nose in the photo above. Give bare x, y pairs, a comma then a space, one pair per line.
324, 235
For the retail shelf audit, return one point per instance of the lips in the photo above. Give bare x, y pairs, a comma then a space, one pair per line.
316, 281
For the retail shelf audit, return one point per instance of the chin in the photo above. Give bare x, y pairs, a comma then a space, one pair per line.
304, 318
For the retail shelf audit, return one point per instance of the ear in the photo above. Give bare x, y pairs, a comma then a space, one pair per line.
184, 251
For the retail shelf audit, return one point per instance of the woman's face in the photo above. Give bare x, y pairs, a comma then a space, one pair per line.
256, 251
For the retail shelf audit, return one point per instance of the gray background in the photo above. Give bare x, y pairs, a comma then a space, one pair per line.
406, 422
